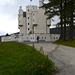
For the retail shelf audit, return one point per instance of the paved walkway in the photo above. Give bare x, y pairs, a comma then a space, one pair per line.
63, 56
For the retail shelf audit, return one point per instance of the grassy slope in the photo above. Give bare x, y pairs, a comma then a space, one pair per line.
20, 59
66, 43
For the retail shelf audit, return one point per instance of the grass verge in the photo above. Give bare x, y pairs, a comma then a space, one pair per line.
21, 59
66, 43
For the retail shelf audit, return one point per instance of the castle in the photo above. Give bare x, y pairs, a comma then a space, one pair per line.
32, 23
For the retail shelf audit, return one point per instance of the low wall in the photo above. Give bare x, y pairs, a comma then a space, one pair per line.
31, 37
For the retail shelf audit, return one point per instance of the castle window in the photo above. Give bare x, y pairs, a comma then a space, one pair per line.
22, 35
33, 14
28, 9
42, 37
28, 28
28, 23
45, 37
19, 21
28, 17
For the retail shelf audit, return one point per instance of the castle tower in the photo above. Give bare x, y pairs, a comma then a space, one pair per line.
31, 18
22, 21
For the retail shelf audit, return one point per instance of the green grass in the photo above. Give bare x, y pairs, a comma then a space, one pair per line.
20, 59
66, 43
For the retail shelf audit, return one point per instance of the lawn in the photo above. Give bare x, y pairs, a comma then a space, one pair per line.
66, 43
20, 59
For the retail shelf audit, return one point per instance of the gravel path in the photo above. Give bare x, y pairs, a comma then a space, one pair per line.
63, 56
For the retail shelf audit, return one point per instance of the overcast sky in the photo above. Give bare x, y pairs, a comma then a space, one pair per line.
9, 14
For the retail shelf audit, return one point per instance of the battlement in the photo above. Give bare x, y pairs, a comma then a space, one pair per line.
31, 8
20, 10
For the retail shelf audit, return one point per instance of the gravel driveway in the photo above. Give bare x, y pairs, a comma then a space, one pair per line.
63, 56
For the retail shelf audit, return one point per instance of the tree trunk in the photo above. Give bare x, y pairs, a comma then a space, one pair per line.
64, 38
71, 26
61, 34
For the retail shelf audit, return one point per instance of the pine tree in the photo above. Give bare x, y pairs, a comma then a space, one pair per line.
65, 9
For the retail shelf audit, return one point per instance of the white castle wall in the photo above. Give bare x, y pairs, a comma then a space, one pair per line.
36, 21
41, 27
6, 38
31, 37
30, 17
12, 37
54, 37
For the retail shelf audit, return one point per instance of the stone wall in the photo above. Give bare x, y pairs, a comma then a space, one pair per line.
31, 37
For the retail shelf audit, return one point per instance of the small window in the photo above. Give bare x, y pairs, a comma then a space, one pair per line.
28, 10
22, 34
45, 37
33, 14
27, 37
19, 21
42, 37
54, 37
28, 17
28, 23
33, 20
28, 28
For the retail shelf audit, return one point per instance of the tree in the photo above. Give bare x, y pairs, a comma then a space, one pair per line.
7, 34
71, 22
64, 38
65, 9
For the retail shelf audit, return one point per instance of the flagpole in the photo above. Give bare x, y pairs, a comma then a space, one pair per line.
30, 2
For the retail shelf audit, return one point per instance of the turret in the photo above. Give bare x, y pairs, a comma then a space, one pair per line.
40, 3
20, 17
22, 21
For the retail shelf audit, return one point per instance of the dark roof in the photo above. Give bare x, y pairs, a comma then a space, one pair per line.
24, 14
58, 31
16, 33
55, 31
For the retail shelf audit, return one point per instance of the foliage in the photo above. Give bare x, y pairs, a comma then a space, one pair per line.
66, 43
7, 34
30, 32
20, 59
65, 9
